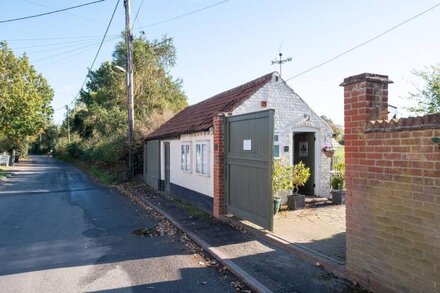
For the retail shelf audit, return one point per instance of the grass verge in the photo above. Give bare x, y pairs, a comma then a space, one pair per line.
2, 173
102, 175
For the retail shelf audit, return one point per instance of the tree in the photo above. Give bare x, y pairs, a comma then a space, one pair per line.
156, 92
46, 142
99, 121
337, 130
25, 99
427, 97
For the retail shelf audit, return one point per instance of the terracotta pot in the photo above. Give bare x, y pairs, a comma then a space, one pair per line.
329, 154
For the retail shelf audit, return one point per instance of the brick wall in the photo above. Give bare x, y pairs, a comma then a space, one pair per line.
219, 163
393, 192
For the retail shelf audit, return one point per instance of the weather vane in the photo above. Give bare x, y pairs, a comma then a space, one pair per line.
281, 61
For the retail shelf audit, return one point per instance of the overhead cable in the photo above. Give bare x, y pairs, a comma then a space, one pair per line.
137, 13
50, 12
185, 14
364, 43
99, 49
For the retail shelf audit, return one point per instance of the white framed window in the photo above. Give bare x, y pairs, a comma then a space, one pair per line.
202, 158
185, 157
276, 145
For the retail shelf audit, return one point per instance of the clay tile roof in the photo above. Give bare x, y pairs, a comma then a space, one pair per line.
199, 117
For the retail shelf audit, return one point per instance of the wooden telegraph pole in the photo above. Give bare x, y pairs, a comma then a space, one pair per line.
129, 79
68, 123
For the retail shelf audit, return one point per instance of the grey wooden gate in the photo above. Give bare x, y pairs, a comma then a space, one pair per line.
248, 163
152, 163
167, 166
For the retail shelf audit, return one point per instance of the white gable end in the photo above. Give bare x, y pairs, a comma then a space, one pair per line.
292, 115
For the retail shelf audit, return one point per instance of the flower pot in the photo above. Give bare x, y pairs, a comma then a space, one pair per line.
338, 197
296, 201
276, 204
329, 154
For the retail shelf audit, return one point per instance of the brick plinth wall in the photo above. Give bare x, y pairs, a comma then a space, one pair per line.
393, 192
219, 164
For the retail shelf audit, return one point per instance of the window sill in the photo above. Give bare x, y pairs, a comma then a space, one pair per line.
203, 175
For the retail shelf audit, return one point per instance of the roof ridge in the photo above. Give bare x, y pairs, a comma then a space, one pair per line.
241, 86
199, 117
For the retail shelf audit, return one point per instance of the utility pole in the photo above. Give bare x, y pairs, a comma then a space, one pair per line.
281, 61
68, 123
129, 79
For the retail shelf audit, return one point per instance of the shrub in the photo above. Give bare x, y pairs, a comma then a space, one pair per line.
75, 150
337, 182
300, 175
282, 173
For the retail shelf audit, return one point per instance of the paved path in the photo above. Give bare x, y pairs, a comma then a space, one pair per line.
320, 228
60, 232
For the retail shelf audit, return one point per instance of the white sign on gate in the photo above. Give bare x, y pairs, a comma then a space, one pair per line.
247, 145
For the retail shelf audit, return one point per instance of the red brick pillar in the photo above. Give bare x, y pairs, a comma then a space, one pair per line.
219, 166
365, 98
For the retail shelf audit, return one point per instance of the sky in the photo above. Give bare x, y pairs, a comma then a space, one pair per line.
235, 41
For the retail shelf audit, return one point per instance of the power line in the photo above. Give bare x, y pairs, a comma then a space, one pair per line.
185, 14
45, 6
51, 12
56, 44
57, 109
364, 43
75, 53
99, 49
149, 25
137, 13
52, 38
66, 52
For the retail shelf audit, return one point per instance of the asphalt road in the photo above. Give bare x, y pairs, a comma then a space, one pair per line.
61, 232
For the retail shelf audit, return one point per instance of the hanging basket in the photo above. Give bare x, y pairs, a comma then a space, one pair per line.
328, 154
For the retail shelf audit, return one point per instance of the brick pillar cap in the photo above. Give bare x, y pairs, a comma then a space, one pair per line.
370, 77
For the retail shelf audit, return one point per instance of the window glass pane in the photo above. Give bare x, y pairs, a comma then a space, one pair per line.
276, 137
276, 151
187, 158
205, 159
198, 158
182, 157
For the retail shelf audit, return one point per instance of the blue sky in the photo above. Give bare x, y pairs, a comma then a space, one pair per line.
234, 42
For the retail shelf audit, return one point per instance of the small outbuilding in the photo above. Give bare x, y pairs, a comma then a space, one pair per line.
179, 155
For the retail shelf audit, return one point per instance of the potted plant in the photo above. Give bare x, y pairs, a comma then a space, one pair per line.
337, 182
328, 150
338, 192
300, 175
280, 181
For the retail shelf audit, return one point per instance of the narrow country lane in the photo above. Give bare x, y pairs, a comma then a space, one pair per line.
61, 232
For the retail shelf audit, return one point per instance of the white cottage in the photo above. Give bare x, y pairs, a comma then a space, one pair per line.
179, 156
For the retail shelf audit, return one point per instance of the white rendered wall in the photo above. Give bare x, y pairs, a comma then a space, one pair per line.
289, 118
201, 183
